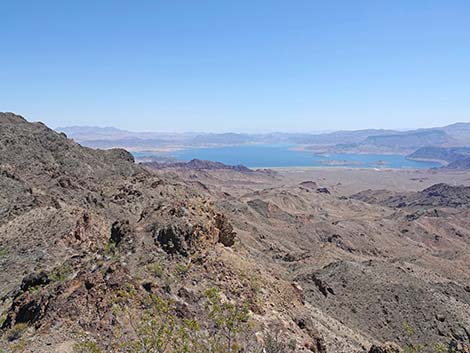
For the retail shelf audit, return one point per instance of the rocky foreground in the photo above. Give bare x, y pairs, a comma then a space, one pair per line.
99, 254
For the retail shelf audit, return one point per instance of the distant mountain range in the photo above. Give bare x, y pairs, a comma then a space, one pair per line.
364, 141
454, 157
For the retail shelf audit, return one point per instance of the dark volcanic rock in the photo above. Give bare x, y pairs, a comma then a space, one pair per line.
119, 231
226, 234
174, 240
198, 164
34, 279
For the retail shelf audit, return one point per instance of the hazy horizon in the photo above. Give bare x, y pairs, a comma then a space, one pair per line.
247, 131
243, 66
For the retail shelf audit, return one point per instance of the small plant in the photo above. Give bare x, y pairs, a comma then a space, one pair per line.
61, 273
3, 253
228, 319
440, 348
156, 269
157, 328
110, 250
87, 347
410, 346
182, 269
16, 332
3, 318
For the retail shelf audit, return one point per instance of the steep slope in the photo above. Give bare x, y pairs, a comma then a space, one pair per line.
80, 228
378, 272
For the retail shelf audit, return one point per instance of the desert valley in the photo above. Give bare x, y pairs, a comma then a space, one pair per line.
99, 253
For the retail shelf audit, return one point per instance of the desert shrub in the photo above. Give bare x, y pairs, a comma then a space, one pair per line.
156, 269
110, 250
157, 329
3, 318
228, 319
87, 347
61, 273
3, 253
16, 332
182, 269
412, 347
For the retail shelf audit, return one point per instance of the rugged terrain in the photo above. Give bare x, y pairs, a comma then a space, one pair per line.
88, 237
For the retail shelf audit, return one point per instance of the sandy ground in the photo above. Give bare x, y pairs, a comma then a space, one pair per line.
351, 180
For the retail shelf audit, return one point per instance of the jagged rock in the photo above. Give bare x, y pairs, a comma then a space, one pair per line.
25, 309
34, 279
458, 347
120, 230
226, 234
323, 191
174, 240
324, 288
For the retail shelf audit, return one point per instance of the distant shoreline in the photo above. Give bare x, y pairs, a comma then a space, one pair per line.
433, 160
299, 168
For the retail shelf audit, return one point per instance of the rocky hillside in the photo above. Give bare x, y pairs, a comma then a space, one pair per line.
454, 157
81, 229
198, 164
436, 196
98, 254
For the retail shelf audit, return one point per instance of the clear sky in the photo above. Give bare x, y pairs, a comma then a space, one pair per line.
244, 65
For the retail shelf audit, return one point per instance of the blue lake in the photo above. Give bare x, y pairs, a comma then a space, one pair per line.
285, 156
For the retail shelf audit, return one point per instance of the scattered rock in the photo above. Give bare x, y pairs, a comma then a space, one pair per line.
323, 191
385, 348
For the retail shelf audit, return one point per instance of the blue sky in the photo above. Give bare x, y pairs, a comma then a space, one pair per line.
246, 65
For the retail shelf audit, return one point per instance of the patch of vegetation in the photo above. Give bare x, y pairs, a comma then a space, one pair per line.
61, 273
87, 347
3, 318
110, 250
182, 269
156, 269
16, 332
275, 344
157, 329
3, 253
412, 347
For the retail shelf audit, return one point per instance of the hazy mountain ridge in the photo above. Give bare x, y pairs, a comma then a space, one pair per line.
454, 157
391, 140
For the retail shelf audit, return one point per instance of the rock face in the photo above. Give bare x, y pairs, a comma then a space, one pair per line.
175, 240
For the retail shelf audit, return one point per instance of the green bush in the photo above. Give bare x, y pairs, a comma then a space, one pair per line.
16, 332
157, 329
3, 253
